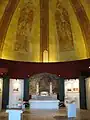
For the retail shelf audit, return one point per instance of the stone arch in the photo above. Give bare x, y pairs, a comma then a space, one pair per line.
44, 80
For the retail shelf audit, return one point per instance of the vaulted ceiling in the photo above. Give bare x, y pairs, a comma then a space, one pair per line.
44, 30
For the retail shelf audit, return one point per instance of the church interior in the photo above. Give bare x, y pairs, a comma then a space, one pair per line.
44, 59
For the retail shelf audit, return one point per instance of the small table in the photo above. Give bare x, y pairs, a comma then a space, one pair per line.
14, 114
71, 110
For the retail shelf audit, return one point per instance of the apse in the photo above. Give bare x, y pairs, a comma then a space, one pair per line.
44, 30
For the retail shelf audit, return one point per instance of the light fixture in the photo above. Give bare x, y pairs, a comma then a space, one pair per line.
45, 56
28, 75
16, 84
89, 67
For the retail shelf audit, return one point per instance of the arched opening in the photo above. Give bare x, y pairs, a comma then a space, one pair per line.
44, 82
44, 91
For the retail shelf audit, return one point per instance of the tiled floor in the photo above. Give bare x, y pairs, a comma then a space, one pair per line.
49, 115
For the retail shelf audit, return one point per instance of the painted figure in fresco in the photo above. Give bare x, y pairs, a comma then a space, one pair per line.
63, 27
24, 27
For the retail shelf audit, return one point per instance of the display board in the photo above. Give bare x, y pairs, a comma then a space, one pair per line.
72, 90
16, 90
1, 90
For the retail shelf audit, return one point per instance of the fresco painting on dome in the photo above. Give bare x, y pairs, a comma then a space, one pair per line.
7, 9
24, 27
3, 4
63, 27
83, 20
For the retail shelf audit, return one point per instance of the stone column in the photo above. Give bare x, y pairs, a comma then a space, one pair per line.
37, 88
26, 89
61, 90
5, 93
50, 88
82, 88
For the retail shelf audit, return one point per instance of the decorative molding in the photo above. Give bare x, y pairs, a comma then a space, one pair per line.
3, 4
44, 26
83, 21
6, 19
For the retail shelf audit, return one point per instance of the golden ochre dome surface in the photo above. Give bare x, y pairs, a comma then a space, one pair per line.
44, 30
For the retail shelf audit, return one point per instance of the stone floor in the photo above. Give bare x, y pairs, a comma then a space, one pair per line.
49, 115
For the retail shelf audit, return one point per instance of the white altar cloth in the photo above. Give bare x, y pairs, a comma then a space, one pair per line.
44, 104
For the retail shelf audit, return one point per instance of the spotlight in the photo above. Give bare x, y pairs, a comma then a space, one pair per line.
1, 73
28, 75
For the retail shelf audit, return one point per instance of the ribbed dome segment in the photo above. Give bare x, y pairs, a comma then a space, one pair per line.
44, 30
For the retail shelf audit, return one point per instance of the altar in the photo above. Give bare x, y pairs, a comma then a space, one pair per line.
44, 99
44, 104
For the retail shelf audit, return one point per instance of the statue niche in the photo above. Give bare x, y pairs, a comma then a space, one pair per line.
63, 27
42, 82
24, 27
